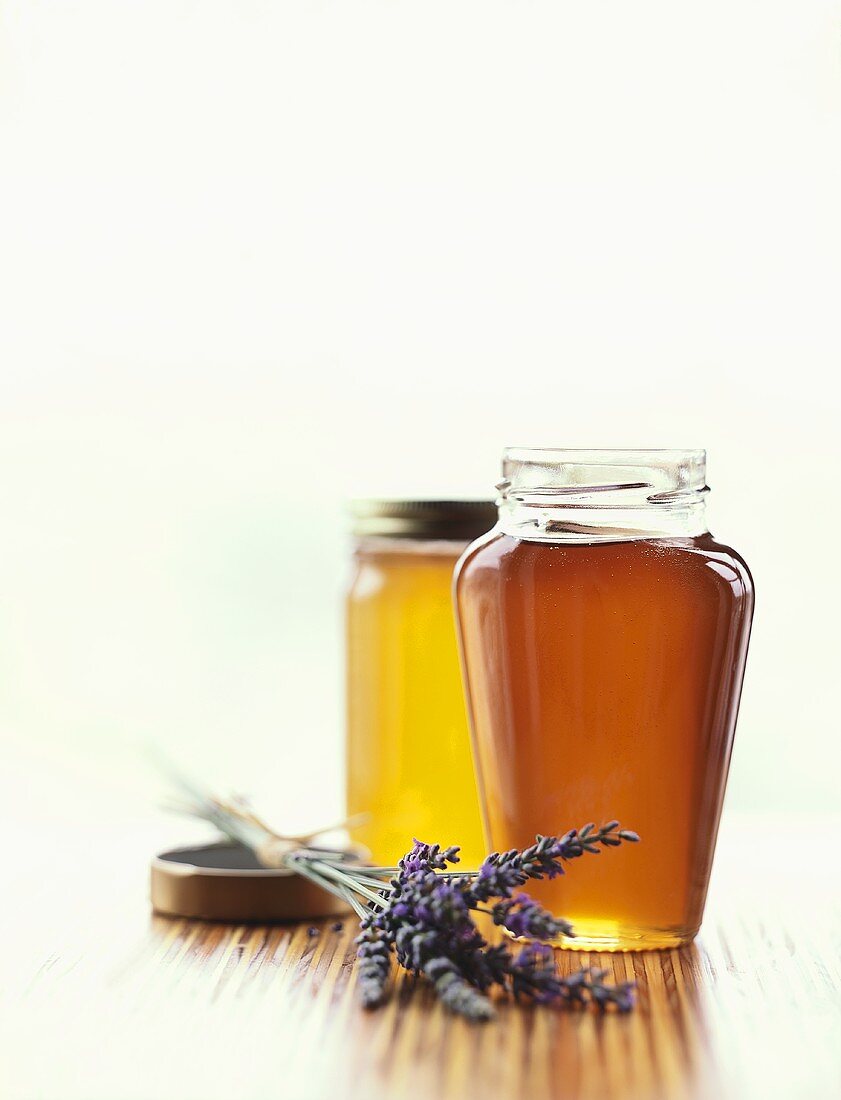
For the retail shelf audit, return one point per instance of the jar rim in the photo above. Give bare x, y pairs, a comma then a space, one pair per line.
555, 492
661, 470
618, 456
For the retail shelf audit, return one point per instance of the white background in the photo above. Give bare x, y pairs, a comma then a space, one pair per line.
256, 257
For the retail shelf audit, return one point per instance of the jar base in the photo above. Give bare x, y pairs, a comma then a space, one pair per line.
594, 935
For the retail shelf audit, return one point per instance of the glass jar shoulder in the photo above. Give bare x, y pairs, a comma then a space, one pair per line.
400, 567
484, 552
506, 555
727, 562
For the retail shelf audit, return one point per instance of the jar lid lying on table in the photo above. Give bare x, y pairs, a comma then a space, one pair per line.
423, 519
225, 881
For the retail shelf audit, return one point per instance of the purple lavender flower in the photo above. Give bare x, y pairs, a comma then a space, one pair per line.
522, 916
503, 872
587, 986
455, 992
532, 974
425, 916
374, 965
497, 879
427, 857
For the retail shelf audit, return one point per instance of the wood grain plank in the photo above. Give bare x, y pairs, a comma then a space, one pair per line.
110, 1004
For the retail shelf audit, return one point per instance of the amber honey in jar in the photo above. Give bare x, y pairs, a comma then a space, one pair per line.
409, 762
604, 633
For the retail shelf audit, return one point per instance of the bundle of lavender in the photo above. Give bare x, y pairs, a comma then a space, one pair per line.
422, 911
426, 918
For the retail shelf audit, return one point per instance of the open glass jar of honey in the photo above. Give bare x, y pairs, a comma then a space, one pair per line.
409, 765
604, 634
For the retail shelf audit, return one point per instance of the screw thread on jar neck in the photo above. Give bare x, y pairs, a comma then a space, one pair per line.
563, 495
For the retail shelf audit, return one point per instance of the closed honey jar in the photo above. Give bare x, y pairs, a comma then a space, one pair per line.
409, 764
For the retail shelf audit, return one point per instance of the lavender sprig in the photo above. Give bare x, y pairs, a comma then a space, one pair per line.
533, 975
422, 911
426, 916
503, 872
455, 992
523, 917
374, 965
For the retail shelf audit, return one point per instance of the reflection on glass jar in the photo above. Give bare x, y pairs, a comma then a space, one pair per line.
604, 634
409, 764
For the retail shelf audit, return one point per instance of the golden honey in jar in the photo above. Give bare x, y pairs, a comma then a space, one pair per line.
409, 762
604, 633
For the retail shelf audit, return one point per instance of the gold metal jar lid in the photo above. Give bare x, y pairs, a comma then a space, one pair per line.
463, 520
224, 881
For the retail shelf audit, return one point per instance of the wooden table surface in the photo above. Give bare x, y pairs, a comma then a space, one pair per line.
104, 1001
